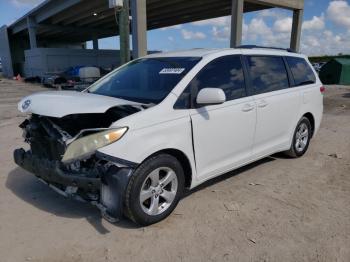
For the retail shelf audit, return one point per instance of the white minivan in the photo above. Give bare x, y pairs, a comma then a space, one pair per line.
133, 141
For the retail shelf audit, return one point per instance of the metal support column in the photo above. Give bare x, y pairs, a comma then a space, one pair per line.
31, 24
124, 33
95, 42
139, 28
296, 30
236, 23
5, 52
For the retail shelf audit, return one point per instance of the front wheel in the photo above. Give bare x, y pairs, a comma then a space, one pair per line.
301, 138
154, 189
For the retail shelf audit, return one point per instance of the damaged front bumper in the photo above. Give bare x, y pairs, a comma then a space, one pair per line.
105, 190
51, 172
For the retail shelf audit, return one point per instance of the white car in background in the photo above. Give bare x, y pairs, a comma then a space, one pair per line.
133, 141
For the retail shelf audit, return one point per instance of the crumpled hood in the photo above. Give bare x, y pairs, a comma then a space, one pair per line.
62, 103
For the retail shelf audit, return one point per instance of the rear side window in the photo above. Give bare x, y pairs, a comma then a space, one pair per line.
301, 71
225, 73
267, 73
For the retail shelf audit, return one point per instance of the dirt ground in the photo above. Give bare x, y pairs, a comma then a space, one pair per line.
277, 209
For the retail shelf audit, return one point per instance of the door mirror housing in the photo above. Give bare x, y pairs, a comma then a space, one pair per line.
211, 96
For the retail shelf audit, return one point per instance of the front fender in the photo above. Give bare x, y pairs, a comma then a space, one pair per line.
137, 145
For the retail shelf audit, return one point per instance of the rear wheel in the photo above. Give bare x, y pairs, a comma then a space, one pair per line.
155, 189
301, 138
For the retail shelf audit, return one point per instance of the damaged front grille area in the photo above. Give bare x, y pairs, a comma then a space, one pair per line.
49, 136
45, 141
95, 178
47, 146
48, 141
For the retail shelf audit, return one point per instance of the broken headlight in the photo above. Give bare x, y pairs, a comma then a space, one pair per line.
88, 144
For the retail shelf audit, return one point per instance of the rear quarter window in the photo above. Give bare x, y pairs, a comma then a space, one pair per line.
267, 73
301, 71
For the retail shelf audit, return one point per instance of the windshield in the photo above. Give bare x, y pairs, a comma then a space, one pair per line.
146, 80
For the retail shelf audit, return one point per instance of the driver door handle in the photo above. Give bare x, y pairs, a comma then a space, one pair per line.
248, 107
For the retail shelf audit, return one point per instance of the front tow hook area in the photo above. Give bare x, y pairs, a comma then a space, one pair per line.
109, 188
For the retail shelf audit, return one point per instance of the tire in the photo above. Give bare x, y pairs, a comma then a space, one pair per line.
144, 209
303, 141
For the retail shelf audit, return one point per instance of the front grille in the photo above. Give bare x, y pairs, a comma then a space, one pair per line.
47, 148
45, 142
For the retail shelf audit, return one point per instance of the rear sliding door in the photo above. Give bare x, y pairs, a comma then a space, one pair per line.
277, 103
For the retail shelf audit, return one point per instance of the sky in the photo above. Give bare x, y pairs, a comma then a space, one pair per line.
325, 30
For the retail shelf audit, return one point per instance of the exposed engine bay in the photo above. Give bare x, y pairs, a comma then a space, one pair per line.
95, 178
49, 136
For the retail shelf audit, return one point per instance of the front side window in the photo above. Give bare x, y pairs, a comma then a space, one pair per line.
146, 80
267, 73
301, 71
225, 73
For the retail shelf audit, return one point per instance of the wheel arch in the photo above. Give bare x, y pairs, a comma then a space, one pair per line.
182, 158
311, 118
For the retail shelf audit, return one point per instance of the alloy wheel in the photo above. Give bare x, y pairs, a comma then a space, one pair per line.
301, 137
158, 191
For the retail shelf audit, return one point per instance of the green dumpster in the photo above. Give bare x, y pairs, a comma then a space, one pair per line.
336, 71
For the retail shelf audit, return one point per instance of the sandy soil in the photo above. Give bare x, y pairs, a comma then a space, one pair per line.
277, 209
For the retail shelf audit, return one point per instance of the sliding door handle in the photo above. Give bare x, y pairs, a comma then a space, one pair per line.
262, 104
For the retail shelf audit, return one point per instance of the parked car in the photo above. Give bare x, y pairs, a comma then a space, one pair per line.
316, 66
74, 78
66, 78
133, 141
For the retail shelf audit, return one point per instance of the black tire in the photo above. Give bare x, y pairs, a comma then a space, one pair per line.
295, 152
134, 210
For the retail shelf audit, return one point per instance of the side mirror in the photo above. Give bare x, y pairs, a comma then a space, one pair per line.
211, 96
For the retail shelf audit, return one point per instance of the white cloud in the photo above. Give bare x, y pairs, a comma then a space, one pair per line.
311, 41
220, 21
270, 13
316, 23
257, 28
189, 35
221, 34
23, 3
325, 42
171, 39
283, 25
316, 38
339, 13
273, 28
171, 27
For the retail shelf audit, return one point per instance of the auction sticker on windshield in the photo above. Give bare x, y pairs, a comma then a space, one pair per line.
172, 71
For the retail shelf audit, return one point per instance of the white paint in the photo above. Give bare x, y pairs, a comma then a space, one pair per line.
226, 136
211, 96
62, 103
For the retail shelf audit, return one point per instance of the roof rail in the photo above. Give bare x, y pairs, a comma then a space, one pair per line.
266, 47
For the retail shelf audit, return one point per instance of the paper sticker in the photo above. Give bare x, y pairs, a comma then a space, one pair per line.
172, 71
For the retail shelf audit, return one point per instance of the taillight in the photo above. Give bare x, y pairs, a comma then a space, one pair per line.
322, 89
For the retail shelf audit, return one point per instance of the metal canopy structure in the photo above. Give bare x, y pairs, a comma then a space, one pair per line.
78, 21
